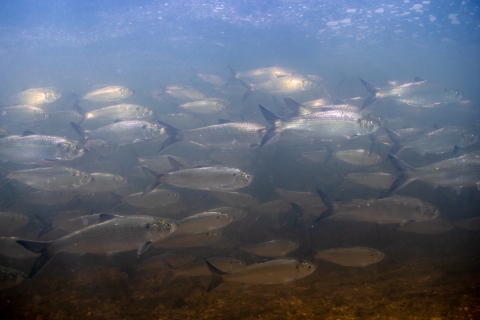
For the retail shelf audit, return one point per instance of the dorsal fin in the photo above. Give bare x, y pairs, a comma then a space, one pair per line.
28, 133
418, 79
222, 121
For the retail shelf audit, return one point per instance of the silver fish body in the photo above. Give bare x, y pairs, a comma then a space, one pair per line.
206, 106
51, 179
22, 114
111, 114
108, 94
189, 240
273, 248
204, 222
351, 257
36, 96
35, 148
378, 180
10, 277
262, 74
155, 199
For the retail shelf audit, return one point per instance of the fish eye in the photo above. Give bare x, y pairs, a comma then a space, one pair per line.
247, 176
12, 276
234, 174
85, 176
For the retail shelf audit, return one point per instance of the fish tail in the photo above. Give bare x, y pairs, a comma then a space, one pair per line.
329, 203
295, 106
406, 173
82, 132
48, 225
174, 163
373, 89
172, 132
233, 78
217, 279
395, 137
152, 174
249, 89
37, 247
81, 111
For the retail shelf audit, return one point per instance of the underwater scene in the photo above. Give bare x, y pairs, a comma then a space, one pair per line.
239, 159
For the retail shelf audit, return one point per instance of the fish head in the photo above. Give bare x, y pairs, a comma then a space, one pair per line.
225, 217
368, 125
425, 212
143, 112
161, 228
125, 93
72, 150
242, 178
468, 139
453, 95
83, 178
308, 84
377, 256
118, 181
292, 245
40, 114
11, 277
51, 95
153, 130
305, 268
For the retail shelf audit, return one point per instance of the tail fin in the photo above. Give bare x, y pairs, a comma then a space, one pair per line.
273, 132
153, 185
172, 132
37, 247
397, 139
174, 163
249, 90
329, 203
233, 78
216, 276
297, 107
48, 225
271, 117
82, 132
81, 111
373, 89
405, 170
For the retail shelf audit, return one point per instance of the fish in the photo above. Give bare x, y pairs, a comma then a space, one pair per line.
272, 207
68, 225
159, 163
200, 268
358, 157
398, 210
456, 172
434, 226
189, 240
419, 93
236, 213
472, 224
258, 75
64, 117
406, 133
116, 234
279, 271
11, 222
121, 133
377, 180
22, 114
440, 141
36, 96
102, 182
323, 126
31, 148
205, 106
10, 248
351, 257
185, 93
229, 135
174, 259
182, 121
10, 277
298, 197
157, 198
51, 178
203, 222
112, 114
108, 94
272, 249
280, 85
215, 178
318, 105
235, 198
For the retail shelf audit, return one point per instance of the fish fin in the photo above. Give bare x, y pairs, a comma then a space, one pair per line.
170, 130
457, 190
170, 271
458, 151
406, 222
294, 105
298, 208
329, 154
270, 136
395, 137
48, 225
174, 163
271, 117
37, 247
223, 121
144, 247
167, 143
28, 133
216, 276
106, 217
372, 88
329, 203
151, 187
247, 94
405, 171
150, 173
418, 79
233, 78
82, 132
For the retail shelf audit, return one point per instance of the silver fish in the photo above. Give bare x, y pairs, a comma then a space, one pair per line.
325, 126
420, 93
51, 179
458, 172
259, 75
390, 210
230, 135
272, 207
236, 213
200, 268
108, 94
184, 93
439, 141
154, 199
203, 222
182, 121
159, 163
121, 133
472, 224
280, 85
102, 182
68, 225
278, 271
119, 234
33, 148
189, 240
112, 114
378, 180
22, 114
205, 106
273, 248
10, 277
216, 178
351, 257
36, 96
358, 157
